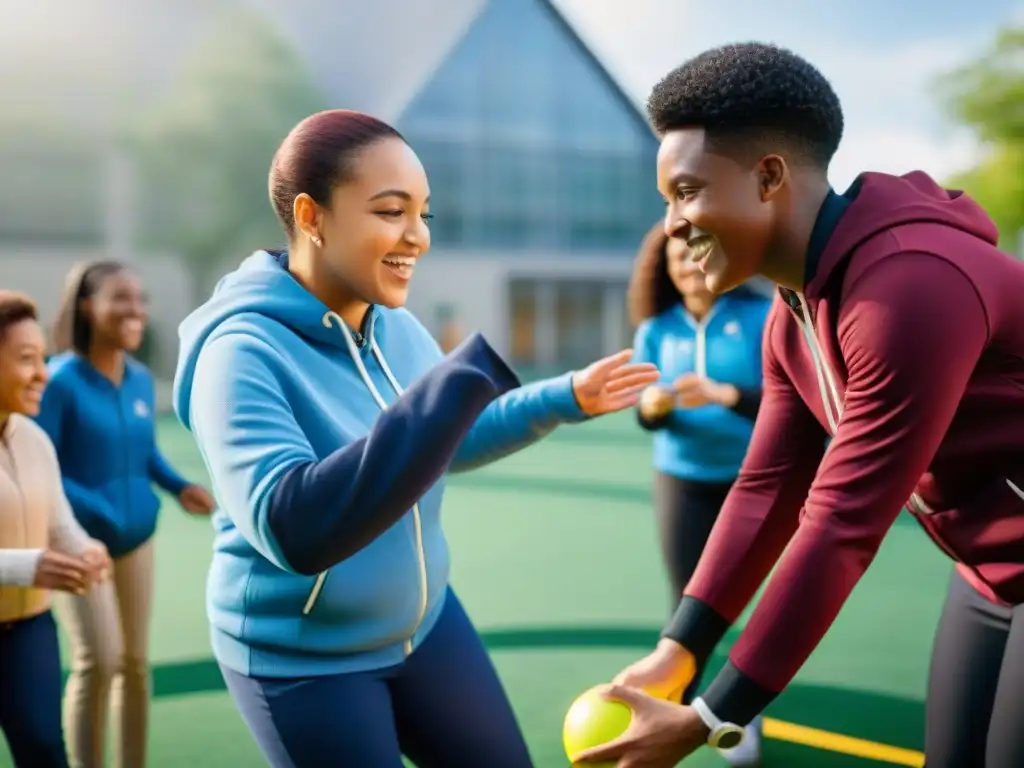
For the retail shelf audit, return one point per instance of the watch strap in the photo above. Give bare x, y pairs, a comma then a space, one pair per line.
704, 711
722, 735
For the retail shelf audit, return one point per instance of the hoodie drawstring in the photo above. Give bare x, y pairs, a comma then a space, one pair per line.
330, 319
833, 405
826, 379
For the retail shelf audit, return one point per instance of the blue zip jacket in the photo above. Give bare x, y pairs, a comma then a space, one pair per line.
106, 444
706, 444
327, 448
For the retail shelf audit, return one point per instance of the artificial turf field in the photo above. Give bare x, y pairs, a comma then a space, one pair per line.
555, 557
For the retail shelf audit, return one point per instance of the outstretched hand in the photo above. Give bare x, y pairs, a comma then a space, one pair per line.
612, 384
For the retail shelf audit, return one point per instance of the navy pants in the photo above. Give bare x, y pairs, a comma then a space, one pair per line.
443, 707
30, 692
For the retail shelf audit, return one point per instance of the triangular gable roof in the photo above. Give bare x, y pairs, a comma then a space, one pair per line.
417, 36
617, 86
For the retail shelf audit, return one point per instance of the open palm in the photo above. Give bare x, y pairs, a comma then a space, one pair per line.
612, 383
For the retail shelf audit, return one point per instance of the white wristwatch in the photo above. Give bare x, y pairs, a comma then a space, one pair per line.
723, 735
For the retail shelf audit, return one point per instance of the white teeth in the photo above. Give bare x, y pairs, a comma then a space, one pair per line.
401, 262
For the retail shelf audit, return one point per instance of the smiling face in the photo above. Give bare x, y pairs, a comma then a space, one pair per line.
683, 271
375, 230
723, 210
116, 312
22, 367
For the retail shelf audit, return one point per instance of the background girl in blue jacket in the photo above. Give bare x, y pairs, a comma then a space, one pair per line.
98, 410
328, 417
708, 352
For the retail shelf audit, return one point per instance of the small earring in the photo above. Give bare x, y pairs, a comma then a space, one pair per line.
316, 240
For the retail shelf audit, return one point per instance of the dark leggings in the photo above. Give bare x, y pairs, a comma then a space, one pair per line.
686, 512
443, 707
975, 711
30, 691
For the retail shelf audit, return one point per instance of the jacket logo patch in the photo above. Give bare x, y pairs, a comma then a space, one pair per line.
732, 328
141, 409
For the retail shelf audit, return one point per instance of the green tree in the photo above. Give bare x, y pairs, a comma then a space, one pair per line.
987, 96
204, 148
997, 183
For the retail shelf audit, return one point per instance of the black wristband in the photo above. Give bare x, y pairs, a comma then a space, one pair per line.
749, 402
697, 627
735, 698
654, 424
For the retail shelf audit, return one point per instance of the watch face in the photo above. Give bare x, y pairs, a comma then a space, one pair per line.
729, 738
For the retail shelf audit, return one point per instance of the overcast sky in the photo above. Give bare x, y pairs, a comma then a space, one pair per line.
881, 56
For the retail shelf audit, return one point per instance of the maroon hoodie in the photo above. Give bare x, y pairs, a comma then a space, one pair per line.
908, 347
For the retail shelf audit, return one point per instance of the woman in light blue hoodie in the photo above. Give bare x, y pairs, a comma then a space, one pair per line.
327, 417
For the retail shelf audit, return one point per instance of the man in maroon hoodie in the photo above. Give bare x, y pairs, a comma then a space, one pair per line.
898, 331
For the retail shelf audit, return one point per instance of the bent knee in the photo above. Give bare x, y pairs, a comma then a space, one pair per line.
136, 667
98, 662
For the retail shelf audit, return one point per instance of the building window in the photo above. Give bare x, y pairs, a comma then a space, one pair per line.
447, 329
579, 318
523, 322
532, 150
49, 195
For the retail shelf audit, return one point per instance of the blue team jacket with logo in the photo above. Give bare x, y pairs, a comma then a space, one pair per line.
706, 444
106, 444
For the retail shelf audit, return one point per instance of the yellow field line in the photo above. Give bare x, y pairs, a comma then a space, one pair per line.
835, 742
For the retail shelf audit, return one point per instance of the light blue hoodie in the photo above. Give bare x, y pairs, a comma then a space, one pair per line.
329, 555
707, 444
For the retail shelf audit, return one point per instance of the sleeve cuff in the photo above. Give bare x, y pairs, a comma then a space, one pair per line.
652, 425
697, 627
477, 353
748, 403
562, 399
18, 567
735, 698
177, 484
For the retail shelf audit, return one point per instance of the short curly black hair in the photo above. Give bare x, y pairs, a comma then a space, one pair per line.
746, 95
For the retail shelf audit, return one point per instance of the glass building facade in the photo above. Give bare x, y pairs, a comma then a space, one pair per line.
528, 143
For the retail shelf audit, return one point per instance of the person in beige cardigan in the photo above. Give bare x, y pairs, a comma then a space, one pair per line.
42, 548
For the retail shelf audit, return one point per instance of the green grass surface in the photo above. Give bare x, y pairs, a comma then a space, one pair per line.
555, 557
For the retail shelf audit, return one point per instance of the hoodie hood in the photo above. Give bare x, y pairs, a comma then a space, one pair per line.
880, 202
262, 286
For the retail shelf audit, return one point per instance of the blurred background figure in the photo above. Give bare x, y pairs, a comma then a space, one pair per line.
708, 351
98, 411
42, 547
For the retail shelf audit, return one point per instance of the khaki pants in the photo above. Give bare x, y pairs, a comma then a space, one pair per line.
109, 633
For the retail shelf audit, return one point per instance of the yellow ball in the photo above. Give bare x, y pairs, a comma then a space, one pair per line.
593, 720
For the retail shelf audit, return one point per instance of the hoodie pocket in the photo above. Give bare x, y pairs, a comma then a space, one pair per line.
375, 586
985, 533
